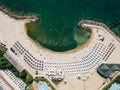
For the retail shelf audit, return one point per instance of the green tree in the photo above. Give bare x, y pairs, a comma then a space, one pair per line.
8, 65
23, 74
17, 74
29, 78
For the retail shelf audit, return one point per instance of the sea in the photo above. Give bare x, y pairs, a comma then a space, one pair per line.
57, 28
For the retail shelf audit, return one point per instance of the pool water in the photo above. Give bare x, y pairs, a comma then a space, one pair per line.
115, 86
43, 86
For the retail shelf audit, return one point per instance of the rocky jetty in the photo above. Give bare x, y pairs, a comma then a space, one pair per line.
32, 18
114, 24
98, 24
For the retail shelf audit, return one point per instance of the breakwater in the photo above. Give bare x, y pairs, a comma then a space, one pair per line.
99, 24
114, 24
32, 18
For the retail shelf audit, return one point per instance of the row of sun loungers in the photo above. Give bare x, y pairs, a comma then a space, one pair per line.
90, 59
3, 85
83, 66
27, 57
16, 80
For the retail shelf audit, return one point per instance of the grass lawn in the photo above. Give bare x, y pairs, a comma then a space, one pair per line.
56, 82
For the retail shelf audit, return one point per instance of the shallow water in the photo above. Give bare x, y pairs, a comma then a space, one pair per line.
57, 29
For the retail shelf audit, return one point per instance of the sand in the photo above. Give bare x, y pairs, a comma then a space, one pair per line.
12, 30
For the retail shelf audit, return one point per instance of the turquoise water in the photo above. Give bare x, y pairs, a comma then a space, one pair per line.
57, 29
43, 86
115, 86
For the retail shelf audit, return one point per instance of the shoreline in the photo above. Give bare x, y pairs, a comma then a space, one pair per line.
66, 61
77, 49
99, 24
32, 18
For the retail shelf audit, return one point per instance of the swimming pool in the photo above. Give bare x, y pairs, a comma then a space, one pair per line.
43, 86
115, 86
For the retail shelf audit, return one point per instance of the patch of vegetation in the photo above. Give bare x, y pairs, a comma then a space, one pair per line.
37, 80
30, 87
117, 79
5, 64
26, 77
2, 49
56, 82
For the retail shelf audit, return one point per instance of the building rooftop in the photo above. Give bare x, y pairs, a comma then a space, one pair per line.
106, 70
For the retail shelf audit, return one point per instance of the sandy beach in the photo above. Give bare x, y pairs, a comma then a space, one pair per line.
72, 63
